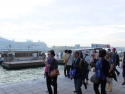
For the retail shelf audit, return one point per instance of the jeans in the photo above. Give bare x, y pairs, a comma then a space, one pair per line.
53, 82
103, 86
68, 70
78, 84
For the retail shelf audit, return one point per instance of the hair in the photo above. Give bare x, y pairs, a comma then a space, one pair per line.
76, 52
66, 51
94, 51
52, 52
102, 53
108, 53
80, 54
109, 50
69, 51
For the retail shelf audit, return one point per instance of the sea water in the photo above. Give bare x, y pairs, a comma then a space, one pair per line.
12, 76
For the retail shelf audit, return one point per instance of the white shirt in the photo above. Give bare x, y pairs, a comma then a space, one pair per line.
88, 59
69, 59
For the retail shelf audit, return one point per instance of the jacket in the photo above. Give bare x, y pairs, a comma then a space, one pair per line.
115, 58
53, 65
81, 69
105, 67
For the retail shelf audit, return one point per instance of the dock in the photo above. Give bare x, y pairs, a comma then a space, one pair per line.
26, 64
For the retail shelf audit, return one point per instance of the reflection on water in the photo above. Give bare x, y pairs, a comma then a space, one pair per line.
11, 76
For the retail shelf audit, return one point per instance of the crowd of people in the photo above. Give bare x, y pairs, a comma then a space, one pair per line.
77, 67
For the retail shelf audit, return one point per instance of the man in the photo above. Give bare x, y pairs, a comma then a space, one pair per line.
69, 59
80, 72
115, 58
65, 69
87, 60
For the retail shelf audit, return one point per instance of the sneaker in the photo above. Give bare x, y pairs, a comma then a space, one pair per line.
123, 83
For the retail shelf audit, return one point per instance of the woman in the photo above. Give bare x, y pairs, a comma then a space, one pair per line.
52, 64
46, 68
111, 72
81, 57
123, 66
69, 60
101, 71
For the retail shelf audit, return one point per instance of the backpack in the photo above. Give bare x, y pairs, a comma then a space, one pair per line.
99, 71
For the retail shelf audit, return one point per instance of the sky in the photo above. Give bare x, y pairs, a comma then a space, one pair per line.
64, 22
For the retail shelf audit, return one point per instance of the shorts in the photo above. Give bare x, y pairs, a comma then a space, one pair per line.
123, 73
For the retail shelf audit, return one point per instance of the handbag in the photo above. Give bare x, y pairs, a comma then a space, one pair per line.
54, 73
111, 74
94, 79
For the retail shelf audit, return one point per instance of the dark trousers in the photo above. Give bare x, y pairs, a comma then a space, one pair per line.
65, 69
78, 84
116, 71
68, 70
103, 85
53, 82
87, 75
46, 76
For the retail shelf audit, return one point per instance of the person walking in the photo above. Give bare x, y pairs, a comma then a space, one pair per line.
80, 72
46, 68
69, 59
115, 58
87, 60
111, 71
101, 70
65, 68
52, 64
123, 67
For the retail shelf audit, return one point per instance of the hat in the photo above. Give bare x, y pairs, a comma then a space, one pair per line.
114, 49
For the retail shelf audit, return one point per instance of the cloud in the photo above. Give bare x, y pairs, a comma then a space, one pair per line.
64, 22
14, 8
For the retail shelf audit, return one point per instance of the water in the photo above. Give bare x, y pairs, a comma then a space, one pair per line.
12, 76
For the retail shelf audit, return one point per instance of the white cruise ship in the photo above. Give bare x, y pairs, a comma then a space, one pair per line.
21, 50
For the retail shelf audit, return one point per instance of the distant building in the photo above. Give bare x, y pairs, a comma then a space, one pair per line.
77, 46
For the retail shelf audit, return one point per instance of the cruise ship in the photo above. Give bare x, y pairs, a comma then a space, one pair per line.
11, 50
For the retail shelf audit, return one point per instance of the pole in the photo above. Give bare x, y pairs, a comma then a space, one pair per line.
28, 51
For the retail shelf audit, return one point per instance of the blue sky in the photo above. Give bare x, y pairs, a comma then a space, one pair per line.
64, 22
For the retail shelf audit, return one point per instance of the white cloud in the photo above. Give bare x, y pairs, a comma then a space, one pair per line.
14, 8
62, 22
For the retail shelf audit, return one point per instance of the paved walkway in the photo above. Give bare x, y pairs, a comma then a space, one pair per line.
65, 86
